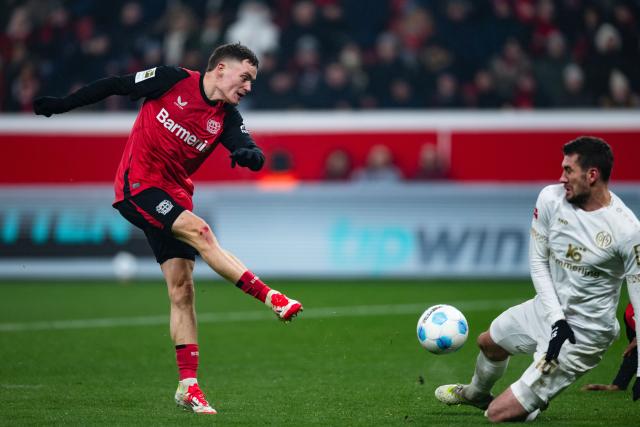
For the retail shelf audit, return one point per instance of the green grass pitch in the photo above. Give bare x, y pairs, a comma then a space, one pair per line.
100, 354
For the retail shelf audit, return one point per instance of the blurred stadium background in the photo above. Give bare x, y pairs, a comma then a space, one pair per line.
406, 140
408, 143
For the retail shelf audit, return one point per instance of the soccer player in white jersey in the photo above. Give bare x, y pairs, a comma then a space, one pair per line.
584, 243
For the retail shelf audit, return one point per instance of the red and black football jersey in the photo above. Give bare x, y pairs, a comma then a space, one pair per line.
177, 128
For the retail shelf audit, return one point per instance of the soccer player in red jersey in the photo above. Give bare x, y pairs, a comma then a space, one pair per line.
185, 116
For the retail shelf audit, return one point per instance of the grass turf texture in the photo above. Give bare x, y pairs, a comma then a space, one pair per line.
351, 359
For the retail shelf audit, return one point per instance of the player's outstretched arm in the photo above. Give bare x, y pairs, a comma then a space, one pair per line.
149, 83
89, 94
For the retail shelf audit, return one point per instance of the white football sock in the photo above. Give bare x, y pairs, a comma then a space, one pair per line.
485, 376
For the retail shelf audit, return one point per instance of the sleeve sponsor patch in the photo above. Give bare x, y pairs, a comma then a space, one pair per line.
636, 250
146, 74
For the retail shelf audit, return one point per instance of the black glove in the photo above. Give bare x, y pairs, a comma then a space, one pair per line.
636, 389
48, 105
560, 332
251, 158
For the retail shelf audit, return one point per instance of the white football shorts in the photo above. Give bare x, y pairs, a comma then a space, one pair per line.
522, 329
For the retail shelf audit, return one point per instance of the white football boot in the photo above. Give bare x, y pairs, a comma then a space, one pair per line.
285, 308
453, 394
191, 398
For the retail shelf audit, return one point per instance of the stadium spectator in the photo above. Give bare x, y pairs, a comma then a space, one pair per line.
566, 278
482, 93
180, 33
447, 93
400, 45
431, 165
508, 67
154, 191
619, 94
629, 365
280, 169
254, 28
379, 167
337, 166
387, 68
549, 68
336, 90
574, 94
304, 25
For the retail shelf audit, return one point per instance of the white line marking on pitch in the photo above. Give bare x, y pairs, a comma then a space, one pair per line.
21, 386
240, 316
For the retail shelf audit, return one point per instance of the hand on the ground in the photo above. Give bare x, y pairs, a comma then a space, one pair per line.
600, 387
560, 332
251, 158
633, 344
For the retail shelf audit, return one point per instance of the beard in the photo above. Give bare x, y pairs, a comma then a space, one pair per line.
578, 199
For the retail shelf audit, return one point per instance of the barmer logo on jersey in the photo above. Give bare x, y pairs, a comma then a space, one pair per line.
603, 239
164, 207
175, 128
213, 126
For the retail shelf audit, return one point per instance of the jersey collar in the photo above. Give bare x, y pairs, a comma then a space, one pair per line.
204, 95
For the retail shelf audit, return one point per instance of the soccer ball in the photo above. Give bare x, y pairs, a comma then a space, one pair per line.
442, 329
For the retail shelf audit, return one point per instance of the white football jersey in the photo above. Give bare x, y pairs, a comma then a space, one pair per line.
589, 255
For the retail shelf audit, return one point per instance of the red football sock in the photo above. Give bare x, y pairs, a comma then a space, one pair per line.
252, 285
187, 358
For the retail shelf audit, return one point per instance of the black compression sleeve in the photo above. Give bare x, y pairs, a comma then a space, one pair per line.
150, 84
99, 90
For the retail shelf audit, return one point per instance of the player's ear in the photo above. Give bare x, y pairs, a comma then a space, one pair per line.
593, 174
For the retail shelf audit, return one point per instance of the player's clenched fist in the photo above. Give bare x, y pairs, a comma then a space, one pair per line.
248, 157
48, 105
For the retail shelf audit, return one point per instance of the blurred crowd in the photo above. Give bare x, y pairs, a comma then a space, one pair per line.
330, 54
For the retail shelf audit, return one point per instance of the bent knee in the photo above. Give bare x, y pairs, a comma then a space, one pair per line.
490, 349
195, 231
500, 414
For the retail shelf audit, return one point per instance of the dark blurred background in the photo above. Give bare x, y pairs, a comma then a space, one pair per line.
327, 54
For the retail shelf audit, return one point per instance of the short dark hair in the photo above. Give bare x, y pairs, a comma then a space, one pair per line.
593, 152
234, 51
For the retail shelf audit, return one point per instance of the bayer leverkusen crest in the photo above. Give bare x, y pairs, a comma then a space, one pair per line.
213, 126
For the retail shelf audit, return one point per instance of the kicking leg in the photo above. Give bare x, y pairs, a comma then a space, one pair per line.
194, 231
